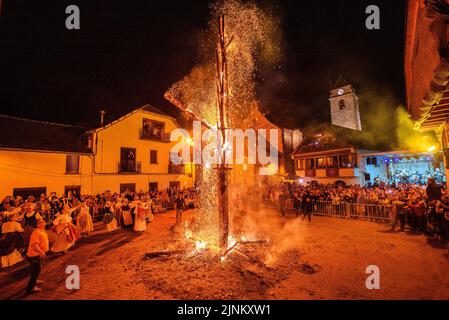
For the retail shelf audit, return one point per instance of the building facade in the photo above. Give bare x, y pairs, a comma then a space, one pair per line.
325, 157
132, 152
426, 64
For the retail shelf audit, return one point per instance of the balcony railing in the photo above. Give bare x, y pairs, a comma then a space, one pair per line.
129, 166
176, 168
149, 135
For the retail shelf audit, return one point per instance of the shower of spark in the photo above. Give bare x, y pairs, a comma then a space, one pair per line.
250, 32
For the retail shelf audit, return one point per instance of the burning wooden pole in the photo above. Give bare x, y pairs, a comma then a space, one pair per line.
223, 122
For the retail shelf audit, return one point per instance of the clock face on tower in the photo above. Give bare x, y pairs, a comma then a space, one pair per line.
340, 91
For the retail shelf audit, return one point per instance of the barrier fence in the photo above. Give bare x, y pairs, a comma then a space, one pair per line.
344, 210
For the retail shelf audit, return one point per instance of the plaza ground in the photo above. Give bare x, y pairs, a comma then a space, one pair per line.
324, 259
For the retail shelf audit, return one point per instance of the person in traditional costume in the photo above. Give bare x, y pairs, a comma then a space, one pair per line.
84, 220
109, 217
64, 233
117, 211
140, 223
29, 221
148, 211
127, 219
11, 241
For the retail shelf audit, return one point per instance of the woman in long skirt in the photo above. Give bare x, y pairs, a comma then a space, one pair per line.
63, 234
12, 241
126, 214
109, 219
140, 223
84, 220
148, 211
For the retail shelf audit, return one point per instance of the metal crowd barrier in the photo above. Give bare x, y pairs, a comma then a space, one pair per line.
345, 210
353, 210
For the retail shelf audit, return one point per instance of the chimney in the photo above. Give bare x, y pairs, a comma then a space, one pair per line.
102, 113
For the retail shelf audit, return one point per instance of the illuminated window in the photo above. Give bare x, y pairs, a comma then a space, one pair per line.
321, 163
347, 161
332, 162
153, 129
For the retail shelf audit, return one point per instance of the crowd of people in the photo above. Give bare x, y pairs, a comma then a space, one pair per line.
420, 208
409, 176
31, 227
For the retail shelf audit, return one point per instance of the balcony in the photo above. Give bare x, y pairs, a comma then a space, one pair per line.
176, 168
129, 167
161, 136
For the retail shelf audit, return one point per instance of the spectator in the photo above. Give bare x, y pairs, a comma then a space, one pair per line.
37, 249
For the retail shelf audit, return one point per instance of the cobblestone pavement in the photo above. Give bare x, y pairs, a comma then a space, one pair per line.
412, 266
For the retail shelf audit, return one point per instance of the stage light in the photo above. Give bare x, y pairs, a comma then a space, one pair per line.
432, 148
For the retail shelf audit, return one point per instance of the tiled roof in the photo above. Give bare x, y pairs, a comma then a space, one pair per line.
18, 133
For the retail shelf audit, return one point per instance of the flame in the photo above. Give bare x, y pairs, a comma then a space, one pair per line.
200, 245
231, 242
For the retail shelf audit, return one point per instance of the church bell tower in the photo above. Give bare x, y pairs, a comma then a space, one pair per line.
344, 105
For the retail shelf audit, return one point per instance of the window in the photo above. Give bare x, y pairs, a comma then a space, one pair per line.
131, 187
72, 164
321, 163
371, 161
153, 156
347, 161
341, 104
153, 186
76, 190
175, 184
152, 129
332, 162
26, 192
310, 163
300, 164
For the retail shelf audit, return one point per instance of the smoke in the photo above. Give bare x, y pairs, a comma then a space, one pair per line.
264, 224
385, 125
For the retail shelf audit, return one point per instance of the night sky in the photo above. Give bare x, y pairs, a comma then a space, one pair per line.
128, 53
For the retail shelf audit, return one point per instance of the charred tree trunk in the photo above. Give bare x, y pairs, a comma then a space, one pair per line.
222, 110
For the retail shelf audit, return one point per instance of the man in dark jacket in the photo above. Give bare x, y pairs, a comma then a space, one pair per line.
307, 206
433, 190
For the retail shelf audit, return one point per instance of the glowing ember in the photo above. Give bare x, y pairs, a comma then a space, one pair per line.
251, 37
